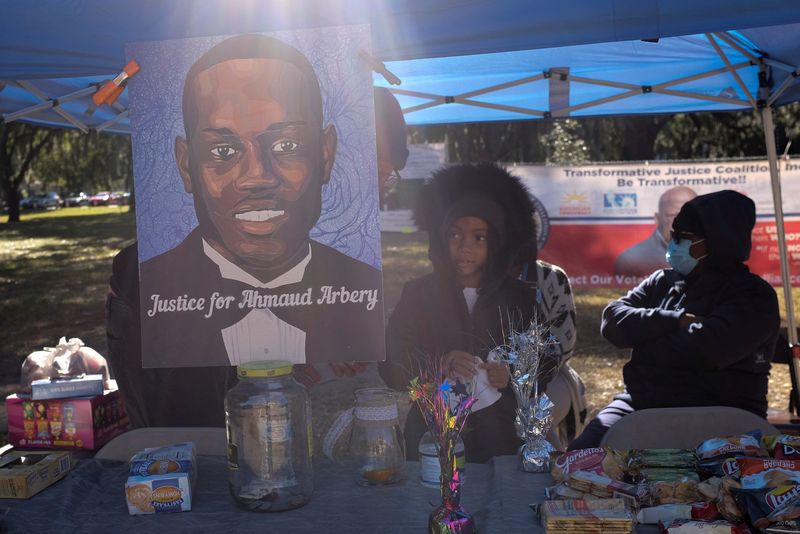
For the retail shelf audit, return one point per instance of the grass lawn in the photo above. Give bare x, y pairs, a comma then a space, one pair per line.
54, 269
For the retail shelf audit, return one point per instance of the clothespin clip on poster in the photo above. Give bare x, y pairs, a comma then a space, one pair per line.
379, 67
109, 92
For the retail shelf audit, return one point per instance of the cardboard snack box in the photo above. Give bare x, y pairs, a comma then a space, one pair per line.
75, 423
24, 474
62, 388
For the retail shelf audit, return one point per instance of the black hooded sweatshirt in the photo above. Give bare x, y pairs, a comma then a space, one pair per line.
724, 358
431, 317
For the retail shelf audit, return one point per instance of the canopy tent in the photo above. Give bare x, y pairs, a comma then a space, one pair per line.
458, 60
45, 68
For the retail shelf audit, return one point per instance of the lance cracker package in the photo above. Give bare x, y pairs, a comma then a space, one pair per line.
161, 480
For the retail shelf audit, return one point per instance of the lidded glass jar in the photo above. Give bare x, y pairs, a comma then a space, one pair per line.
377, 448
268, 419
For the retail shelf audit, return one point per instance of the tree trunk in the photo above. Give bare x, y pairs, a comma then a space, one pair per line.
11, 195
18, 149
10, 192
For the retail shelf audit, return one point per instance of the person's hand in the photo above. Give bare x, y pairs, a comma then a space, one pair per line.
306, 374
461, 364
348, 368
687, 319
498, 373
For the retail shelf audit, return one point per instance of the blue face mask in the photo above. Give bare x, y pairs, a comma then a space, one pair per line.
679, 258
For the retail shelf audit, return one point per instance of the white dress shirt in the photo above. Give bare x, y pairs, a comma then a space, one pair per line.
261, 335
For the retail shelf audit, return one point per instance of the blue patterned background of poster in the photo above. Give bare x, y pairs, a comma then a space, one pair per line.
165, 212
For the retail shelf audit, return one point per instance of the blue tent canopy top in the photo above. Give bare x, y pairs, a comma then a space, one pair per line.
672, 75
535, 58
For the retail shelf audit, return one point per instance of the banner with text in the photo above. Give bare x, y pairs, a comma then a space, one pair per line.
606, 225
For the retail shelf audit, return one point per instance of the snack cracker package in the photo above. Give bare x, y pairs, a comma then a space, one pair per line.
603, 486
726, 504
662, 458
677, 492
161, 480
598, 460
152, 495
744, 445
691, 526
667, 513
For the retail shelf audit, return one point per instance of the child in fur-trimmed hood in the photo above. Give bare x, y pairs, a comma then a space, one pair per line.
477, 218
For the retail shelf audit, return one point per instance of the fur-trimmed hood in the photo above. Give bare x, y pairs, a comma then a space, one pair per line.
451, 184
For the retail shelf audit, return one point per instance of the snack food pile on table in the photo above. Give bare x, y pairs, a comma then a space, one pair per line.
66, 400
733, 485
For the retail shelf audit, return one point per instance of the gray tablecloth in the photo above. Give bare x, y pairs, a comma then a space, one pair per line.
91, 499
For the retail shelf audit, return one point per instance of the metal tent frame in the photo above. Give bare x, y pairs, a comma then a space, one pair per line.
630, 90
89, 121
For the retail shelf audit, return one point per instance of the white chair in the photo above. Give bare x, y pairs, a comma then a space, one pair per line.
682, 428
212, 441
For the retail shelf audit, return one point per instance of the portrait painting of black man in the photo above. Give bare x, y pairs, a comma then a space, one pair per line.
257, 199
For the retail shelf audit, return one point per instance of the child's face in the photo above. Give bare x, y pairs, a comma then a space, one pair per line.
468, 243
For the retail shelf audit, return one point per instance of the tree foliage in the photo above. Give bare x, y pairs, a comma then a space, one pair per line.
565, 143
622, 138
20, 145
86, 162
64, 161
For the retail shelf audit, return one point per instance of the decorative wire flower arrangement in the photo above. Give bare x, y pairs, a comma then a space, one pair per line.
533, 356
445, 407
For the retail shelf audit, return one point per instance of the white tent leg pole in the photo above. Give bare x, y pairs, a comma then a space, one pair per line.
777, 199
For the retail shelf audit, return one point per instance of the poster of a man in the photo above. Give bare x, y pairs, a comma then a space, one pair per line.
648, 256
249, 282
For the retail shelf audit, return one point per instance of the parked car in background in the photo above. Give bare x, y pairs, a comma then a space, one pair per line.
77, 199
26, 203
100, 199
47, 201
120, 198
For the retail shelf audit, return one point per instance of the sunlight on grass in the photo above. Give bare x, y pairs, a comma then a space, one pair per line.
54, 270
34, 215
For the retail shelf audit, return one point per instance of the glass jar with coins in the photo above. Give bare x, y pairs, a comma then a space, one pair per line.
269, 453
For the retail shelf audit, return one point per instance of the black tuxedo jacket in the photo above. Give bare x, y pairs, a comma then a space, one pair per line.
334, 331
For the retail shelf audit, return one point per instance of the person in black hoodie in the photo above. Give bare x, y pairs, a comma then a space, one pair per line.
477, 217
702, 333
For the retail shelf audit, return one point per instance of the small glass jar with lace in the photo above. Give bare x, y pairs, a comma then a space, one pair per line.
376, 448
